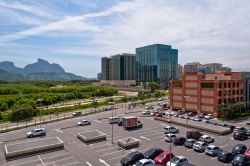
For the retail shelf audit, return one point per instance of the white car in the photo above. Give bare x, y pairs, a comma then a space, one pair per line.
170, 137
207, 139
209, 116
146, 112
212, 150
83, 123
171, 129
36, 133
144, 162
178, 161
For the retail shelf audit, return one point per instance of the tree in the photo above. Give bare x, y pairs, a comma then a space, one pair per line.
3, 106
22, 112
157, 94
153, 86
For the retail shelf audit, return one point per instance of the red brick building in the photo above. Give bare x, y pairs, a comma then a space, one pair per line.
201, 93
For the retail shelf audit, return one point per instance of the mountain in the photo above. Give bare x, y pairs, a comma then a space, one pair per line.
4, 75
10, 67
40, 70
43, 66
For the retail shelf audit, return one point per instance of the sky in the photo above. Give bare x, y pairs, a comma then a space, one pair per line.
77, 33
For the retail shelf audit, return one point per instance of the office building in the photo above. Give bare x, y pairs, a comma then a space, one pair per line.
99, 76
118, 67
202, 92
180, 70
191, 67
156, 63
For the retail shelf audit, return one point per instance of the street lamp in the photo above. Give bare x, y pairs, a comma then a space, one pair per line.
40, 104
186, 97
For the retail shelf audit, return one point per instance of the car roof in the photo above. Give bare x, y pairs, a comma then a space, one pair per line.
144, 160
180, 157
212, 146
199, 142
166, 152
170, 134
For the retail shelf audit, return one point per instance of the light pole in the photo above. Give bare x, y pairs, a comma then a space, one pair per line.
186, 97
112, 130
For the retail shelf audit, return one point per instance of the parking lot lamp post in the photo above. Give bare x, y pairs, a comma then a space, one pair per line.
112, 137
186, 97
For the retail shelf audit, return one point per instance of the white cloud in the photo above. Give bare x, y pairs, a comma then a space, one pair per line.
205, 31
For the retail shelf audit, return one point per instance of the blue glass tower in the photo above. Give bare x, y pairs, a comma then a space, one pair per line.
156, 63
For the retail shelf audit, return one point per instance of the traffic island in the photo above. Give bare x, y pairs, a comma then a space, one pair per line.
129, 142
91, 136
32, 147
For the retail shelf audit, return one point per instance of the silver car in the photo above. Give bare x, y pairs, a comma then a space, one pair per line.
199, 146
213, 150
170, 137
36, 133
83, 123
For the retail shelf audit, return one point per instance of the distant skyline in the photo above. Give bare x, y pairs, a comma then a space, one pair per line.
77, 33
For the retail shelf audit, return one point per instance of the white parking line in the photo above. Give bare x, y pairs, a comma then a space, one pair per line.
189, 150
106, 149
88, 164
106, 154
25, 162
99, 145
160, 136
71, 163
223, 145
41, 160
145, 138
201, 154
213, 158
117, 157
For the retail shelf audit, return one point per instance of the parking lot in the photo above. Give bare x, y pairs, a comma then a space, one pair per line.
105, 153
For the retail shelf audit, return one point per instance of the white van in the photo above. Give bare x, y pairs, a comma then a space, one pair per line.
114, 120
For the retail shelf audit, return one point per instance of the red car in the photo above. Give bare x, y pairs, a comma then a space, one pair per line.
158, 114
163, 158
247, 153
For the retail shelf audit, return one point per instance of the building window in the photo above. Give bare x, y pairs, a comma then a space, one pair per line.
233, 84
207, 85
238, 84
237, 92
220, 101
225, 85
220, 85
220, 93
229, 85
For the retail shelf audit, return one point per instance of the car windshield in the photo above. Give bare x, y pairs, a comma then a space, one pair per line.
175, 160
209, 148
162, 155
239, 158
138, 163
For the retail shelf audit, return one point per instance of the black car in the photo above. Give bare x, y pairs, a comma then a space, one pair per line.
179, 141
189, 143
241, 160
131, 158
239, 149
152, 153
225, 156
229, 126
119, 123
239, 135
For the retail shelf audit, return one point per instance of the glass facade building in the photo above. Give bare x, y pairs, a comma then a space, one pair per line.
156, 63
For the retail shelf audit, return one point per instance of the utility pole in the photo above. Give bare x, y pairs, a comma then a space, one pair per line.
112, 140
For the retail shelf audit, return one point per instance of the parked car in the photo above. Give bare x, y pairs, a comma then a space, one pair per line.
209, 116
241, 160
240, 129
158, 114
163, 158
189, 143
171, 129
197, 119
170, 137
212, 150
131, 158
146, 112
201, 115
77, 113
149, 107
36, 133
83, 123
206, 138
193, 134
178, 161
192, 113
119, 123
152, 113
248, 152
200, 146
144, 162
179, 140
239, 149
152, 153
113, 120
225, 156
240, 135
